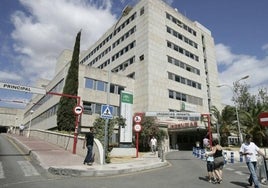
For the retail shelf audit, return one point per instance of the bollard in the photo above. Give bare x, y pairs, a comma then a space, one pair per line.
232, 157
241, 158
202, 153
225, 157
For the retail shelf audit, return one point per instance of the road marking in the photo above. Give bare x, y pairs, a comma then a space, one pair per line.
240, 173
231, 169
28, 168
2, 175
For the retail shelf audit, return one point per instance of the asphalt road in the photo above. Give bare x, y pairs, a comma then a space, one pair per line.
18, 170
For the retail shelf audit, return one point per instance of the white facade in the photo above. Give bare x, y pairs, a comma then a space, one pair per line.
166, 60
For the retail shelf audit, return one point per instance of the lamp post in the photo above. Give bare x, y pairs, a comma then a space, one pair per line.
236, 107
124, 13
30, 123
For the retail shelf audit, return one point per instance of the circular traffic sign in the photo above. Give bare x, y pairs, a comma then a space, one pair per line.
137, 119
137, 127
78, 110
263, 119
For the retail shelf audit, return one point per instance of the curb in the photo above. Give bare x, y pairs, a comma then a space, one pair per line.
107, 170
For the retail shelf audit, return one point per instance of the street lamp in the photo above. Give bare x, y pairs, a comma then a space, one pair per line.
30, 123
124, 13
236, 107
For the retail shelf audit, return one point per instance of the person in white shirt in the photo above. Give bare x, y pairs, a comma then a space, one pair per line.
153, 144
250, 150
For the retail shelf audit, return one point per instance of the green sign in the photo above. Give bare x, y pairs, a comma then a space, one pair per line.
126, 98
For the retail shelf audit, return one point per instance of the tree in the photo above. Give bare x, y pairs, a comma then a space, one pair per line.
249, 108
225, 120
251, 121
65, 115
150, 128
99, 126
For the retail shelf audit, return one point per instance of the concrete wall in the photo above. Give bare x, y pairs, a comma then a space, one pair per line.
66, 141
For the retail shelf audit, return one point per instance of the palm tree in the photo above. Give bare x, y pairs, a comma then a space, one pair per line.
251, 121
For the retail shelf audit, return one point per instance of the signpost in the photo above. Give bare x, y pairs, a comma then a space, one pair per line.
78, 110
263, 120
137, 129
106, 113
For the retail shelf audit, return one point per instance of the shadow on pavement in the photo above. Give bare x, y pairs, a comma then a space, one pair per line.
241, 184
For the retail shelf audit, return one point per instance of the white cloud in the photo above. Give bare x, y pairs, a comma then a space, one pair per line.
5, 75
49, 27
265, 48
237, 66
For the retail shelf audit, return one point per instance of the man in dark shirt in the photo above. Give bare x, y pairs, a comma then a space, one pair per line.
88, 142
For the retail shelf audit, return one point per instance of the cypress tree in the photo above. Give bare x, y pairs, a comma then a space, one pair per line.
65, 114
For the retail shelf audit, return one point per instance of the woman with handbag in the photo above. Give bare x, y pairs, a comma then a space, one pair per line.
217, 152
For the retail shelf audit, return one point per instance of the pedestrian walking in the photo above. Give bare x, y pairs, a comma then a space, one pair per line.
153, 143
21, 129
210, 166
89, 142
250, 150
217, 153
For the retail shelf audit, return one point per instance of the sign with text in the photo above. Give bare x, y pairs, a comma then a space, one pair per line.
26, 89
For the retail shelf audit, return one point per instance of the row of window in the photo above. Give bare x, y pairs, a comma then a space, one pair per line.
124, 50
184, 97
96, 49
102, 86
183, 65
45, 115
95, 108
181, 37
182, 51
125, 36
180, 24
124, 65
56, 89
125, 23
131, 18
106, 51
183, 80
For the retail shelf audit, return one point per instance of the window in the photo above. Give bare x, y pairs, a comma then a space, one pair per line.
101, 86
171, 94
178, 96
142, 11
89, 83
112, 88
120, 88
87, 108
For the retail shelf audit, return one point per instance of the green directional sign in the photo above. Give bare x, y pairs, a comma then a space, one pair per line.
126, 98
126, 112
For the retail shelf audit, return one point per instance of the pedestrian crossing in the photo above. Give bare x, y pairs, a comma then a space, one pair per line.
2, 175
25, 166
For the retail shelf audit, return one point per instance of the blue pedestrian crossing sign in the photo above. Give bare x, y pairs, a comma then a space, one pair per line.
106, 111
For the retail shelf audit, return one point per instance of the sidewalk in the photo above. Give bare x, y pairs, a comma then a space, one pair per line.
61, 162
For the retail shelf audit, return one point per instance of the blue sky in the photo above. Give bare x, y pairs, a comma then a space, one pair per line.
33, 34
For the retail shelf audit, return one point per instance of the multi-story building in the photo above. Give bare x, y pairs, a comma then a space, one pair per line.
154, 52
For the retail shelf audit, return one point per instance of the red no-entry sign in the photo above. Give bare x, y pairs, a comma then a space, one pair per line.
263, 119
